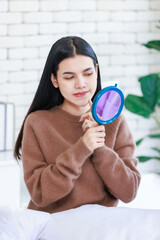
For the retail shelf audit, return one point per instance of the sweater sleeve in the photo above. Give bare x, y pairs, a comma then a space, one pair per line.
46, 182
117, 167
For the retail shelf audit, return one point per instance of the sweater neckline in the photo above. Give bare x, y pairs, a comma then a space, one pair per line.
67, 115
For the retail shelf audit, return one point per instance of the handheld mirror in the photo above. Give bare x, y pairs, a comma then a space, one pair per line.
107, 105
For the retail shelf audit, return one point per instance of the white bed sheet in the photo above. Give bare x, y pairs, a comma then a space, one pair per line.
21, 224
90, 222
95, 222
84, 223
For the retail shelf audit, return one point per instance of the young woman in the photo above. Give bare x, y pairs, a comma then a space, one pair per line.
68, 159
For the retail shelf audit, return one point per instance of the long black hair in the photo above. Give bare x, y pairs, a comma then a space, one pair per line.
47, 96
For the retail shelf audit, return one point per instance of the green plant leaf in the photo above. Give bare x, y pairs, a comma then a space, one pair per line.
137, 105
144, 158
154, 135
156, 149
155, 44
157, 25
147, 158
150, 86
139, 141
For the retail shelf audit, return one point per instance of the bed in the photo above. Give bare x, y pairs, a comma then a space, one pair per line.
126, 222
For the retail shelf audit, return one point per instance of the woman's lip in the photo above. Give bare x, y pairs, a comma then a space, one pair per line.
80, 94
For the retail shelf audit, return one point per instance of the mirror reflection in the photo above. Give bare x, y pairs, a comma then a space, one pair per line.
108, 105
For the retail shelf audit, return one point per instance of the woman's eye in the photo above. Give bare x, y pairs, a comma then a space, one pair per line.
88, 74
69, 77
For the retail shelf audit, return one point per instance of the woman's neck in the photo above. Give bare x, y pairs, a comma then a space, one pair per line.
75, 110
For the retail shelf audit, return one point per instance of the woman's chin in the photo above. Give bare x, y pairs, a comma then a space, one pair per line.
85, 105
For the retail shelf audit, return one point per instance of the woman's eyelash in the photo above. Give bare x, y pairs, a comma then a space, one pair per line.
88, 74
69, 77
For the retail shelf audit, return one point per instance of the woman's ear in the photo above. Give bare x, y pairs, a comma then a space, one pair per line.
54, 81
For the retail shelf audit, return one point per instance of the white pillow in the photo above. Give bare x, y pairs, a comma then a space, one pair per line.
21, 224
95, 222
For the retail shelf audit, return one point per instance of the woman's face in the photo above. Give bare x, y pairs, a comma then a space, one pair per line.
76, 80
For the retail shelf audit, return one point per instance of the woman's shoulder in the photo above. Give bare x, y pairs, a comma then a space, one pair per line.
39, 116
36, 116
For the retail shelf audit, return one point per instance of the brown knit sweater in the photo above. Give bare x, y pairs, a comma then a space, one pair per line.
61, 173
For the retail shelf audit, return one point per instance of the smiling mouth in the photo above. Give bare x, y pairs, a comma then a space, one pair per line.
80, 94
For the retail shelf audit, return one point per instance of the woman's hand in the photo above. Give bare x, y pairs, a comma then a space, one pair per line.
87, 115
88, 124
94, 137
88, 120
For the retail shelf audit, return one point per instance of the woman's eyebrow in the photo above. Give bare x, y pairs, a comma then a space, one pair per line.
87, 69
68, 73
83, 71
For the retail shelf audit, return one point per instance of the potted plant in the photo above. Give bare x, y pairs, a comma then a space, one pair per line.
147, 105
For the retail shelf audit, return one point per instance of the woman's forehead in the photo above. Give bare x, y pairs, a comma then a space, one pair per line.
78, 62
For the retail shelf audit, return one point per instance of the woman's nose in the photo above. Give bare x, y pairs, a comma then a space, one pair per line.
80, 82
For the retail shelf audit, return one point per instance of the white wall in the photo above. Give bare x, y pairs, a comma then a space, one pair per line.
115, 28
